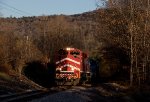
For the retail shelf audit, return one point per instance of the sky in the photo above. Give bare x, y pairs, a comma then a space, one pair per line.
19, 8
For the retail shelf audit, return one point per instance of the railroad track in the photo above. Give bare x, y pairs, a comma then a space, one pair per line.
29, 96
25, 96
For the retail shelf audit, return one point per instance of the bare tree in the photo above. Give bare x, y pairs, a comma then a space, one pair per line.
136, 20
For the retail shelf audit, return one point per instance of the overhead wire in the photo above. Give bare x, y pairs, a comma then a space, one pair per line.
18, 10
11, 10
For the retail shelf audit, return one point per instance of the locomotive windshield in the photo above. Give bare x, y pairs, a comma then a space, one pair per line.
76, 54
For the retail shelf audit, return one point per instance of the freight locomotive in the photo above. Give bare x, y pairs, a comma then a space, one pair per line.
72, 67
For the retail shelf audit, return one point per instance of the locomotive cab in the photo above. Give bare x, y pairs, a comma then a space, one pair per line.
70, 66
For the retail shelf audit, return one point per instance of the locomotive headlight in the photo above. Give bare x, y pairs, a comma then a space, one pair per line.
67, 49
72, 69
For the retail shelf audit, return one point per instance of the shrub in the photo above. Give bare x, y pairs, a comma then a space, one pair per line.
5, 68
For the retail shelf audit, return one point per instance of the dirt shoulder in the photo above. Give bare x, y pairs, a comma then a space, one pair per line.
13, 83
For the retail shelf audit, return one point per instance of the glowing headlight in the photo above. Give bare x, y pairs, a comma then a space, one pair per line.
72, 69
67, 49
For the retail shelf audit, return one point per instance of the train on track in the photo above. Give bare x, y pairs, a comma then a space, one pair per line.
72, 67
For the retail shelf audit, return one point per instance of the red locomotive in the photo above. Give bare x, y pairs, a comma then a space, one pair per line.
71, 66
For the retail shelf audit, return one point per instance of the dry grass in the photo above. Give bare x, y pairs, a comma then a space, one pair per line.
5, 76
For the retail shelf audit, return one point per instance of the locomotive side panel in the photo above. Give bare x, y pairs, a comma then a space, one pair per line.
85, 73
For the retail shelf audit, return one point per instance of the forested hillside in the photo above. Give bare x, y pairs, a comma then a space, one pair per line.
37, 38
116, 37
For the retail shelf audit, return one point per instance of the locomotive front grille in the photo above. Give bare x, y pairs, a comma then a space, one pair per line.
65, 75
